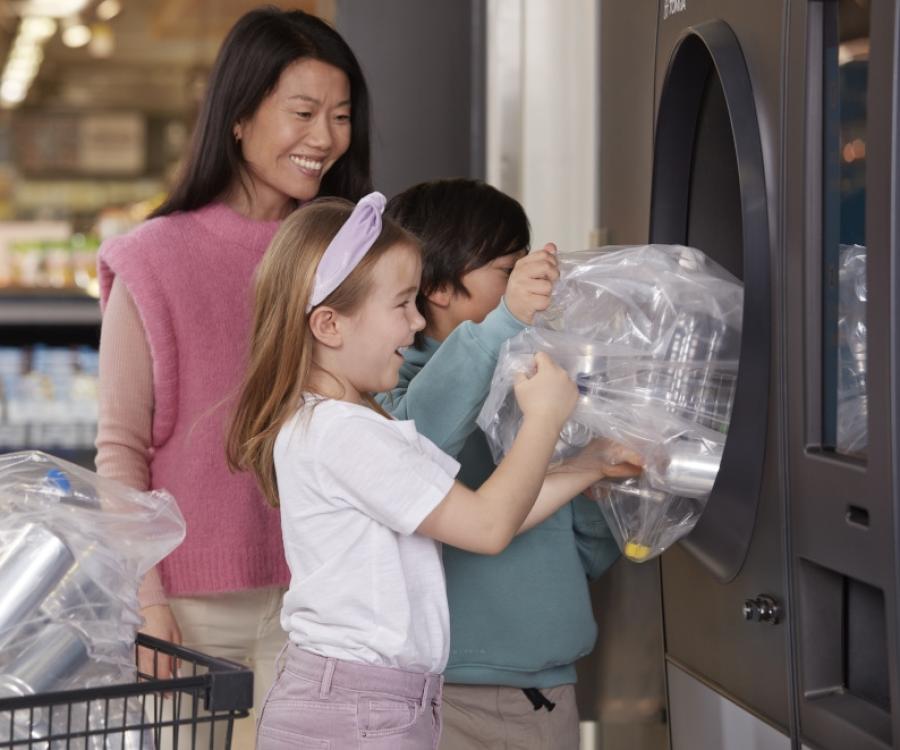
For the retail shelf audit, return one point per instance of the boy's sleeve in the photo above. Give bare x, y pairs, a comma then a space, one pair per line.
596, 546
445, 397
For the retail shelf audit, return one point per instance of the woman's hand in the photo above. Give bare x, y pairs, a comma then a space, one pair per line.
159, 622
531, 283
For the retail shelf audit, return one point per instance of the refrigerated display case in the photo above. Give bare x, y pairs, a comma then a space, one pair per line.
49, 335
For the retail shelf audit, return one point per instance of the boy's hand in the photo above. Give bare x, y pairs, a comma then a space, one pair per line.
531, 283
548, 395
604, 458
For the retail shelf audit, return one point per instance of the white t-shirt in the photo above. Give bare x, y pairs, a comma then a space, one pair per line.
354, 486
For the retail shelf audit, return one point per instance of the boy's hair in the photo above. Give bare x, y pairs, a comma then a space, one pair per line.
281, 342
462, 225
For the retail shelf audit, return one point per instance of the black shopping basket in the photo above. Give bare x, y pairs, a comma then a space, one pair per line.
191, 711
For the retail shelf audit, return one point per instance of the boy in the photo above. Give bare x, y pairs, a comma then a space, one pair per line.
519, 620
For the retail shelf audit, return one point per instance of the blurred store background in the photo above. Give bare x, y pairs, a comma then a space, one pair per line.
97, 101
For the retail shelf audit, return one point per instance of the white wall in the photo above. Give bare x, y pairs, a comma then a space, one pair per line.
542, 123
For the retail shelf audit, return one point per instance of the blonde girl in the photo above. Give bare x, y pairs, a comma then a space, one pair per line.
364, 499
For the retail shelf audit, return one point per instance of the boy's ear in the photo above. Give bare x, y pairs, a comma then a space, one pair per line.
325, 327
441, 296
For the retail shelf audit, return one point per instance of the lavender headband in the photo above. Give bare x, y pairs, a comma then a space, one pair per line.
349, 246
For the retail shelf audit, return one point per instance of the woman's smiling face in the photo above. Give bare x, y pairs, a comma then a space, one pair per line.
295, 136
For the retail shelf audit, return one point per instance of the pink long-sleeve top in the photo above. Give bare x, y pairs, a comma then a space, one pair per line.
176, 297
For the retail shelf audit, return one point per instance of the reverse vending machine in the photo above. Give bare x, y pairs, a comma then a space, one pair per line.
764, 134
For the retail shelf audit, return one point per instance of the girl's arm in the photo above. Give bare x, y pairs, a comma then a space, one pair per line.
600, 459
486, 520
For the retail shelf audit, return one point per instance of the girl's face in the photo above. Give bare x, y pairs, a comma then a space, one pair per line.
375, 335
299, 131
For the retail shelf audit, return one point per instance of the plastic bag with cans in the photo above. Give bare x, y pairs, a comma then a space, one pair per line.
852, 399
651, 335
73, 549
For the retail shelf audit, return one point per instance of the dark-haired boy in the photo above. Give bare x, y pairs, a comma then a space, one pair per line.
518, 620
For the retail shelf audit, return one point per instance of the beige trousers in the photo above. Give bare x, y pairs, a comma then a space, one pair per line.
244, 627
485, 717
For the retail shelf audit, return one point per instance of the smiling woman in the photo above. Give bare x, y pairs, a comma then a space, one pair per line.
285, 118
290, 78
299, 131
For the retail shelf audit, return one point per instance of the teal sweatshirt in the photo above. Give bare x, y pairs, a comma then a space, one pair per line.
523, 617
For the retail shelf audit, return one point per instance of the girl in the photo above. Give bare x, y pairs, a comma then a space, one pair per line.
365, 499
285, 118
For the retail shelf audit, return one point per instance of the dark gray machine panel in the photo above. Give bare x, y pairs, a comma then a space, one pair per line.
723, 197
425, 66
842, 508
709, 192
813, 531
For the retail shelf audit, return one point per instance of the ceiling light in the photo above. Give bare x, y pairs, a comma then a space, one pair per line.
25, 58
30, 54
102, 40
56, 8
37, 28
76, 35
108, 9
13, 92
20, 69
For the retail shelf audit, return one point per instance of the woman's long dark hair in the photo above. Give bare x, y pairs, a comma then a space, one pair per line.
257, 49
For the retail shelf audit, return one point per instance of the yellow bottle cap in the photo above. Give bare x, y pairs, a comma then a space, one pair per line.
636, 551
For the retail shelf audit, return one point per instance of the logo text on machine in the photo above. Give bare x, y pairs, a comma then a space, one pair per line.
671, 7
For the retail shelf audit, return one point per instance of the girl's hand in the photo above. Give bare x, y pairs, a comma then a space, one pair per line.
160, 623
548, 395
604, 458
531, 283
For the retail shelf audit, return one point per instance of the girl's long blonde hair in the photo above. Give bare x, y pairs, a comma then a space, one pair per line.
280, 358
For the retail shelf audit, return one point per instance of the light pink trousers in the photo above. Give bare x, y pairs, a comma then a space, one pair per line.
330, 704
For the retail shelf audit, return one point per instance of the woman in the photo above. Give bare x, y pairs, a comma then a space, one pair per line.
285, 118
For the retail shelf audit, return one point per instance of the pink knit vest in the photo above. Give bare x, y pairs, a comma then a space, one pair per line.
190, 276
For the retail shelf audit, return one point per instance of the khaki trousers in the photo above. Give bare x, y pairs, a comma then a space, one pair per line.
243, 626
485, 717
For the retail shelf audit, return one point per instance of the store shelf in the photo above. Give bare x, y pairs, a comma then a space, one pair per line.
48, 309
84, 457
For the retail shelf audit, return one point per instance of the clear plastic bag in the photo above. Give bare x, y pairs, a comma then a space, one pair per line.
73, 549
651, 336
852, 402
